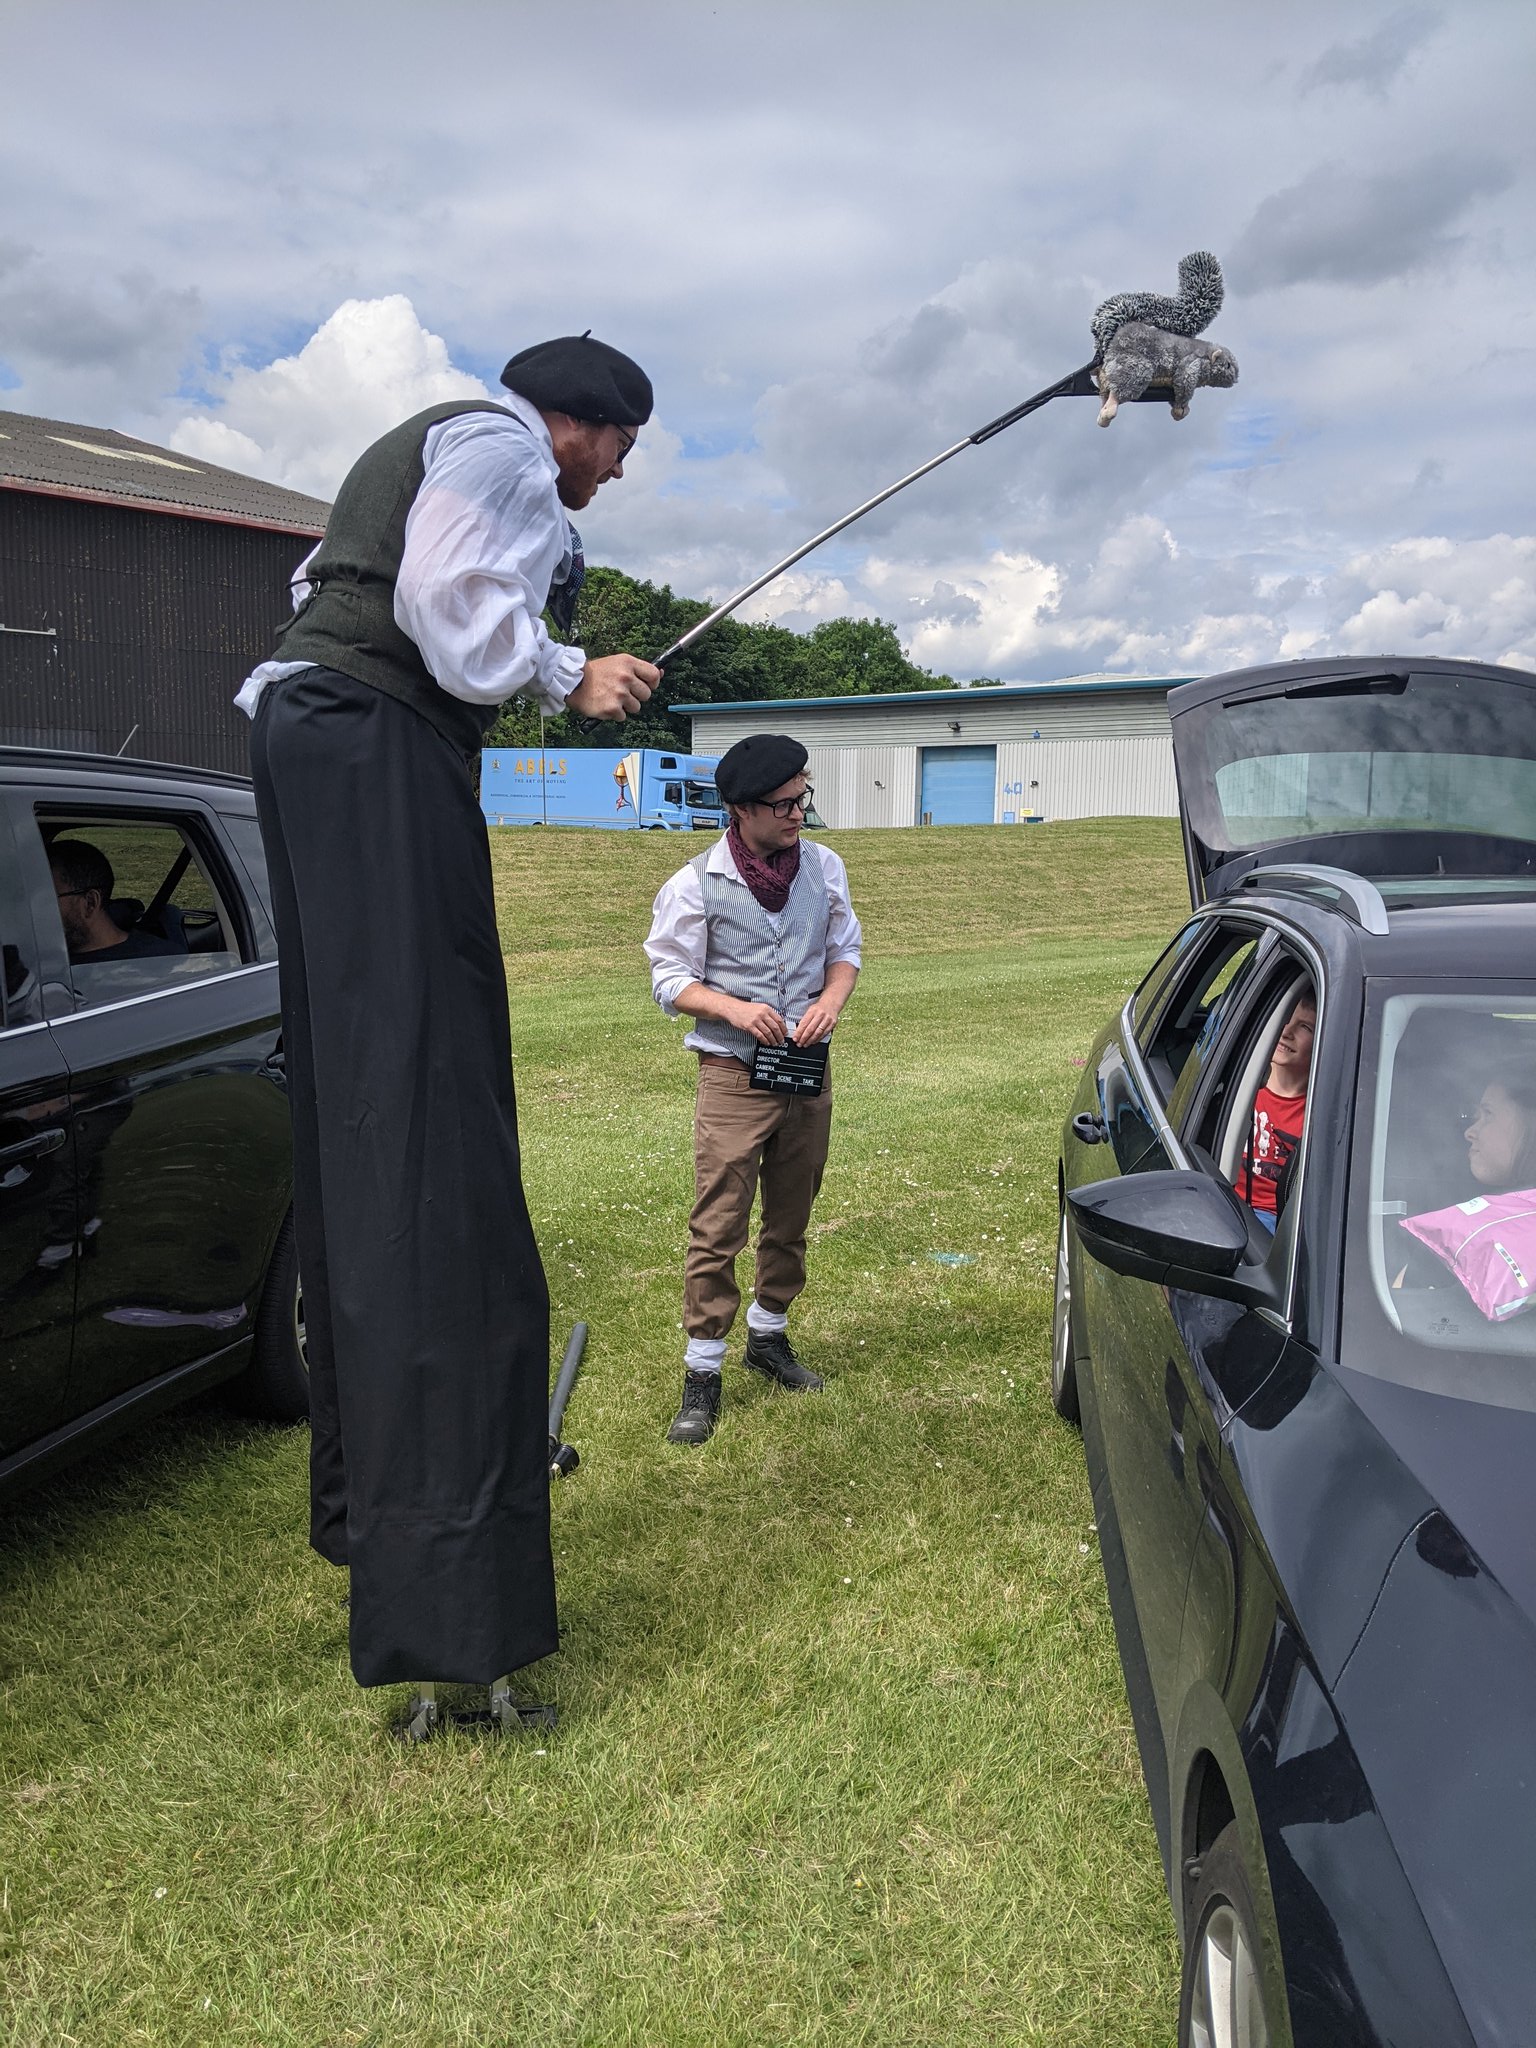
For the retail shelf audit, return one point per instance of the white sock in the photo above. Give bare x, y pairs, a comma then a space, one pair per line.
766, 1321
704, 1354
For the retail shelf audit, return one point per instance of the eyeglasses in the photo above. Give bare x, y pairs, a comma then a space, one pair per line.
789, 804
626, 448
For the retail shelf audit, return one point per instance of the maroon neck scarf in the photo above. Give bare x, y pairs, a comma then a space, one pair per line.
771, 876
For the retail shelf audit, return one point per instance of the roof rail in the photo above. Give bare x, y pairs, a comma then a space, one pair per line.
1358, 898
117, 764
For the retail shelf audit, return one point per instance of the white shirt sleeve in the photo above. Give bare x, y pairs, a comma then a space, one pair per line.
298, 582
678, 938
845, 935
483, 539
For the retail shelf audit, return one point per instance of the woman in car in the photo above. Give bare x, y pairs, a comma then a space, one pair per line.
1488, 1242
1501, 1131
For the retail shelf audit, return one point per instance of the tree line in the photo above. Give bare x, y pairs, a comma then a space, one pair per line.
733, 663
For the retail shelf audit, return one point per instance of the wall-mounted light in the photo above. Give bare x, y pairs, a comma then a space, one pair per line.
954, 725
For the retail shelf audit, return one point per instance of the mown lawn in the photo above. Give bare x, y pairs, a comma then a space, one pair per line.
844, 1755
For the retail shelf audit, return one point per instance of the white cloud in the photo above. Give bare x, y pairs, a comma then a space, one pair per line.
304, 419
801, 599
1432, 596
969, 618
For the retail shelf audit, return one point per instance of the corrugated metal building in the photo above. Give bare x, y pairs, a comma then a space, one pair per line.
1085, 747
137, 588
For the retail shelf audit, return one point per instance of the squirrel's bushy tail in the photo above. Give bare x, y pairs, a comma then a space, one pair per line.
1198, 303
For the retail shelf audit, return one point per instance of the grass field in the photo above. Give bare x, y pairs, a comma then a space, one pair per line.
844, 1755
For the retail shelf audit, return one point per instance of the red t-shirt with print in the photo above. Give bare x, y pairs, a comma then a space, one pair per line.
1277, 1124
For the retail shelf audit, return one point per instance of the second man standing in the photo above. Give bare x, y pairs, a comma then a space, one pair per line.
757, 941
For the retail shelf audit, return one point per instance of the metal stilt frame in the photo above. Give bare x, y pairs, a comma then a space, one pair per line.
423, 1716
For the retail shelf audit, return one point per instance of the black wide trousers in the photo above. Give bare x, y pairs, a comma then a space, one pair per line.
426, 1309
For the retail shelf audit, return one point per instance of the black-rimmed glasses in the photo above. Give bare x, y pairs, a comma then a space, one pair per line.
788, 804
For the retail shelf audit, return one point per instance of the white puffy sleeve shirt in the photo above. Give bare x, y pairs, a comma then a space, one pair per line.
678, 936
484, 538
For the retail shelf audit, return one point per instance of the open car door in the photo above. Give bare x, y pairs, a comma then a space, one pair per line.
1419, 775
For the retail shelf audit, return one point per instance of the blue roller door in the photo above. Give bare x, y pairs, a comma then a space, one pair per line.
959, 786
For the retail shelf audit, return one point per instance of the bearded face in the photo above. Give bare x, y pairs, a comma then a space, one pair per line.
74, 911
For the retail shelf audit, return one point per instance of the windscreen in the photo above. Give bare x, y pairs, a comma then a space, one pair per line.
1445, 761
1440, 1264
702, 796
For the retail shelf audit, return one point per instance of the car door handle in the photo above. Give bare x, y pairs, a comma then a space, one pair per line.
34, 1147
1093, 1130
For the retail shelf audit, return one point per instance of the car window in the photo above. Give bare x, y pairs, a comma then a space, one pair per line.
20, 980
1190, 1021
672, 793
245, 835
1440, 1261
137, 903
1145, 1002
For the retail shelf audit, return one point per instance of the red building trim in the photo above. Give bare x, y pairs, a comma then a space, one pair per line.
89, 497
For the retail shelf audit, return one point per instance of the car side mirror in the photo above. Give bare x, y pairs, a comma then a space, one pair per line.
1176, 1229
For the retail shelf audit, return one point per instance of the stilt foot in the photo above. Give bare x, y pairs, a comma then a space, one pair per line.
421, 1719
424, 1718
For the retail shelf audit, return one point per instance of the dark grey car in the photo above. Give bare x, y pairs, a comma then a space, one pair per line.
146, 1239
1310, 1414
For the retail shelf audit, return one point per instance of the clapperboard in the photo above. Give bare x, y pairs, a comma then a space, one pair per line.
791, 1069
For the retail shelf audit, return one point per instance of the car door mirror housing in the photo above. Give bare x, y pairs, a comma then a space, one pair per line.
1176, 1229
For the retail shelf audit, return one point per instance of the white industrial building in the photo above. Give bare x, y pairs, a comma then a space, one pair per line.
1013, 753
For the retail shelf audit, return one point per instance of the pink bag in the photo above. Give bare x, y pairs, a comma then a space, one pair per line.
1489, 1243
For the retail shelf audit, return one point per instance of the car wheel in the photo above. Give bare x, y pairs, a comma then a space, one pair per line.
1063, 1361
276, 1385
1223, 2003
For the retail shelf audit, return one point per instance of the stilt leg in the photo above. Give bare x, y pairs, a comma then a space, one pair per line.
510, 1714
421, 1717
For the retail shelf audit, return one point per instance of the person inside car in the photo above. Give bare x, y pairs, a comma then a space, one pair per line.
1501, 1158
83, 880
1279, 1113
1501, 1131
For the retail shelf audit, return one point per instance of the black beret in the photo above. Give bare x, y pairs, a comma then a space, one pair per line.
760, 762
583, 377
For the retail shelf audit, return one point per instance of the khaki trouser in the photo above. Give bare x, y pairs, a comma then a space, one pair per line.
742, 1135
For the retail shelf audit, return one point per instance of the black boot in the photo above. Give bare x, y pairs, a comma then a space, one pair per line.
694, 1422
768, 1352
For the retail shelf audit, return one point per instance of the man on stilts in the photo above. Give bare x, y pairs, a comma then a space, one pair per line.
426, 1310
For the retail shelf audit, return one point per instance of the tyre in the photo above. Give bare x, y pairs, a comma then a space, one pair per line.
1223, 2003
1063, 1359
276, 1384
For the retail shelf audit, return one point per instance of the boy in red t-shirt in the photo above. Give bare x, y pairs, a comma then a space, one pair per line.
1279, 1111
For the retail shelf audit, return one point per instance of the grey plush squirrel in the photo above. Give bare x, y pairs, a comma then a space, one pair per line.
1145, 340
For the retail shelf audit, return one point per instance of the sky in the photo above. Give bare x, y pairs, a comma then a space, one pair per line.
840, 238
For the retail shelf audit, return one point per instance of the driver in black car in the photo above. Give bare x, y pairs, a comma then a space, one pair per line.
82, 880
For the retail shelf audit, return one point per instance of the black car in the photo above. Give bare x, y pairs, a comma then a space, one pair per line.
1306, 1372
146, 1238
